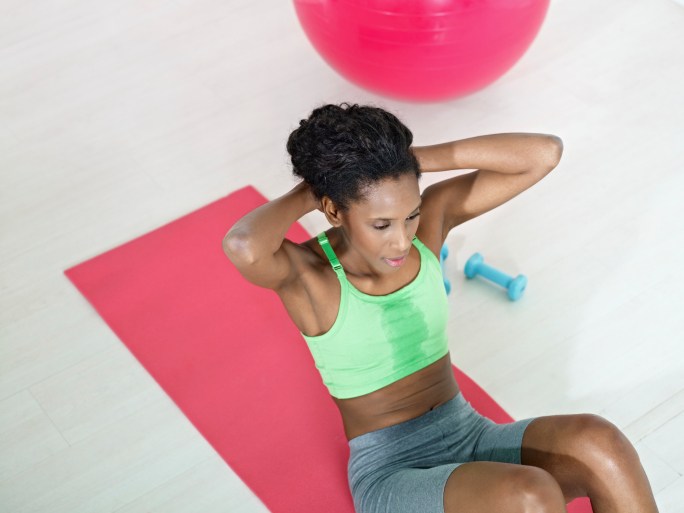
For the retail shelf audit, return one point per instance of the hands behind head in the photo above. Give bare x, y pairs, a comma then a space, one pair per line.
306, 192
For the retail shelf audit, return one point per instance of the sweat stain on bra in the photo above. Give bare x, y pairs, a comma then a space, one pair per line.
377, 340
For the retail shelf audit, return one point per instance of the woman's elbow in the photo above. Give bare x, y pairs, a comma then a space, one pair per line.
555, 150
237, 248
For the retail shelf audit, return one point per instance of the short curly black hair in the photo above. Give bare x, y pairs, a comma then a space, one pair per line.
340, 151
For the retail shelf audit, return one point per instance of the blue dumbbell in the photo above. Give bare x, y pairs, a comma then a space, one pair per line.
442, 257
515, 286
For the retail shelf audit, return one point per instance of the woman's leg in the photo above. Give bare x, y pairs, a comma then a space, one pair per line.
589, 457
486, 487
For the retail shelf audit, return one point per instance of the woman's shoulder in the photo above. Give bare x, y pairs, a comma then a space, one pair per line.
311, 252
307, 257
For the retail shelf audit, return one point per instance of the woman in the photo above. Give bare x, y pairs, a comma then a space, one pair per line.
368, 297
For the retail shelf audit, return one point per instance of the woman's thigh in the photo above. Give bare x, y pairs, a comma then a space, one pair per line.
472, 487
469, 436
408, 490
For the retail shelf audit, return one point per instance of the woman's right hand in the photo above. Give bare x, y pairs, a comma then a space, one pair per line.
305, 190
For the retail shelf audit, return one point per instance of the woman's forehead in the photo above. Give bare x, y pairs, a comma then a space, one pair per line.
389, 199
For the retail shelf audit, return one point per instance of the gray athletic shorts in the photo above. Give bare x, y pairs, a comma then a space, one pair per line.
403, 468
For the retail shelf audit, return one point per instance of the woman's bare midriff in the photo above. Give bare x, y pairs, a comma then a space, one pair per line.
408, 398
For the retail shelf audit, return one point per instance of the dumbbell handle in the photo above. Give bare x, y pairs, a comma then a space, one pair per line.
493, 274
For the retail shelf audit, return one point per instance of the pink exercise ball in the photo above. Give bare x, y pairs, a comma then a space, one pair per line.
421, 50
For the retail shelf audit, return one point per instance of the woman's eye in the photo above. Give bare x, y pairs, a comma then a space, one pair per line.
386, 225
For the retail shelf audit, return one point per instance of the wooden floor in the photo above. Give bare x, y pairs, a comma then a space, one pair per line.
118, 117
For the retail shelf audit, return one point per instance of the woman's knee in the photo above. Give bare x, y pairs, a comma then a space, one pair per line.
491, 486
537, 490
597, 441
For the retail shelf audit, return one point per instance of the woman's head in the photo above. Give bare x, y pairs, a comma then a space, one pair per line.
358, 162
341, 150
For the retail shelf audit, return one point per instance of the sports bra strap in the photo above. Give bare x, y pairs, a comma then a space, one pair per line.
327, 248
325, 244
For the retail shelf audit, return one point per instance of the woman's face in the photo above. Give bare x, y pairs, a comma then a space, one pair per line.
381, 226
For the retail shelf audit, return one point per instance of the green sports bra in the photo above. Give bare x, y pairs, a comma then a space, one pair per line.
377, 340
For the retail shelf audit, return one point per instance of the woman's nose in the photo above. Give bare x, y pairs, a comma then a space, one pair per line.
403, 241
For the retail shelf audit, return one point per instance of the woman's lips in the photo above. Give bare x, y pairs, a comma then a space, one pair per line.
395, 262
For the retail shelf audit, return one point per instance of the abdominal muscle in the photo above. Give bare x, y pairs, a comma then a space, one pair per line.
405, 399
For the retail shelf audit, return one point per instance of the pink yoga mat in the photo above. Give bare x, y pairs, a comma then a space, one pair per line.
228, 355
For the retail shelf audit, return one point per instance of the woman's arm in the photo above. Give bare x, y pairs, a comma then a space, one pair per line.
508, 165
256, 243
504, 153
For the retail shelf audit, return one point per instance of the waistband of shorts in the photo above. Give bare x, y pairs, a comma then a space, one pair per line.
395, 431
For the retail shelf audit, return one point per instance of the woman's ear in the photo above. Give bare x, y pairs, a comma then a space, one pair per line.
332, 213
